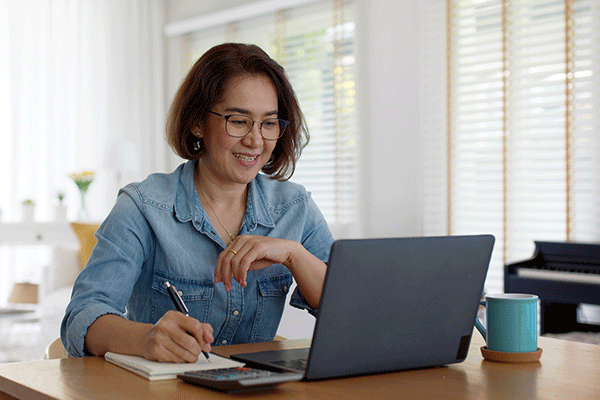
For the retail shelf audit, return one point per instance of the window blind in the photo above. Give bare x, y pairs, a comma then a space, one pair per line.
514, 152
315, 45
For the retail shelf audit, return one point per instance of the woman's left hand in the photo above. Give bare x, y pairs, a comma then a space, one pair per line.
250, 253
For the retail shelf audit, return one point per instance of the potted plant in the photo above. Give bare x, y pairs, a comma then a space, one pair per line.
28, 208
60, 210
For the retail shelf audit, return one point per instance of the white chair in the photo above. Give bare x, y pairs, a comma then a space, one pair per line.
55, 350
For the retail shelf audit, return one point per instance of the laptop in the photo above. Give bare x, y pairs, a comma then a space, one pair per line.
391, 304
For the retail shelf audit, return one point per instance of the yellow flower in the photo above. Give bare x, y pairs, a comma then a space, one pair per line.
83, 179
82, 176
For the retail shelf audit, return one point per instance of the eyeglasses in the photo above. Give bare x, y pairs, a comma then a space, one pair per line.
241, 125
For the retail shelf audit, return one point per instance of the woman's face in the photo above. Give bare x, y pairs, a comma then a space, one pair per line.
230, 160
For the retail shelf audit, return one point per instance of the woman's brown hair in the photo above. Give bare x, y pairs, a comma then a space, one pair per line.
203, 87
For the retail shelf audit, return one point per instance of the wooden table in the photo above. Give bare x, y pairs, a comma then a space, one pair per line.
567, 370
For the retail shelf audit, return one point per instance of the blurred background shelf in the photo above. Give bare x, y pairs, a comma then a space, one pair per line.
39, 262
42, 233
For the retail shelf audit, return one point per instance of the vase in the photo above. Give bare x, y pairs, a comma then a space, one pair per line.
83, 182
83, 212
28, 212
60, 213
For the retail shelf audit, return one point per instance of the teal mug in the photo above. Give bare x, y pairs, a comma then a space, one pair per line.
511, 322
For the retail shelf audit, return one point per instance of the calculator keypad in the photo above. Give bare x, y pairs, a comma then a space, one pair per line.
236, 373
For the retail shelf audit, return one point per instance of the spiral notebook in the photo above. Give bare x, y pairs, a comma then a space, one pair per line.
154, 370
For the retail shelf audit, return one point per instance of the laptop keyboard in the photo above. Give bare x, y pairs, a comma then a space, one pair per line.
296, 364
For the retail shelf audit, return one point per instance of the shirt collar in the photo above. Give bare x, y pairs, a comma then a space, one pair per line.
186, 196
257, 210
187, 203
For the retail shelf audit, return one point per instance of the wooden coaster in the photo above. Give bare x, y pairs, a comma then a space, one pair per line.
501, 356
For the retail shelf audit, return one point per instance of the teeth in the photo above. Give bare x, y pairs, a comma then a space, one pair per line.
245, 158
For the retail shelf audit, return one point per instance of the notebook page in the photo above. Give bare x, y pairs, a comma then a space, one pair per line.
154, 370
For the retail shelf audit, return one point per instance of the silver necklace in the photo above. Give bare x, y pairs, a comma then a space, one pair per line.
231, 237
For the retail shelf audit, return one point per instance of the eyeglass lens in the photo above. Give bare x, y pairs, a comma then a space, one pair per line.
241, 125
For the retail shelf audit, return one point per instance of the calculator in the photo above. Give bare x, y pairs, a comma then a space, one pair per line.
238, 378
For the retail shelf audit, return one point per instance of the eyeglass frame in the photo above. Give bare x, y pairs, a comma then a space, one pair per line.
286, 123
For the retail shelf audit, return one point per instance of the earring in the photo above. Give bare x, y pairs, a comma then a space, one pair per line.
197, 146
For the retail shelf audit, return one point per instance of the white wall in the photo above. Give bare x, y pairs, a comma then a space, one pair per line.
390, 157
388, 89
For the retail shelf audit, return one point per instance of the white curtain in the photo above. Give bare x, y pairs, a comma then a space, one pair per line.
80, 80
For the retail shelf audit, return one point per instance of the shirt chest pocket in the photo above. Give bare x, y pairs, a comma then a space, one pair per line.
196, 294
272, 292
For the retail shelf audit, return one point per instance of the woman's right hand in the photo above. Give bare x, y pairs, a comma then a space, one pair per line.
177, 338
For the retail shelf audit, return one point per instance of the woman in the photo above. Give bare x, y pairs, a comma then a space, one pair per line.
229, 239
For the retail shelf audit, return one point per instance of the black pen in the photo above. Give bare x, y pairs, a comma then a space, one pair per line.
180, 305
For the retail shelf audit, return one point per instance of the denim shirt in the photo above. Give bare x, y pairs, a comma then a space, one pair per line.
158, 231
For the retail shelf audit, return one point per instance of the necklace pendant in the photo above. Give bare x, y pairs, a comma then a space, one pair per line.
231, 238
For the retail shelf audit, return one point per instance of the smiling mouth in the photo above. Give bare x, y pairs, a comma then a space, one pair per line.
245, 158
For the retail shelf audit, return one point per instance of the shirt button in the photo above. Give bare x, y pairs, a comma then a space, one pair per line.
236, 313
224, 341
180, 292
285, 289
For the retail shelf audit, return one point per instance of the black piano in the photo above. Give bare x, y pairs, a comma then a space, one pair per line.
563, 275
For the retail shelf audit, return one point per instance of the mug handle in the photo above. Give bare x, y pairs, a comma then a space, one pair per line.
479, 325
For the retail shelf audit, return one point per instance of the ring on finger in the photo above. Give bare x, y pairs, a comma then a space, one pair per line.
233, 251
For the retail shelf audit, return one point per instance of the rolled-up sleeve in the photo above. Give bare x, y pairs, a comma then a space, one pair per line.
106, 283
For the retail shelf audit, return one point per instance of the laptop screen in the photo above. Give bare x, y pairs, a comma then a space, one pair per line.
396, 303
